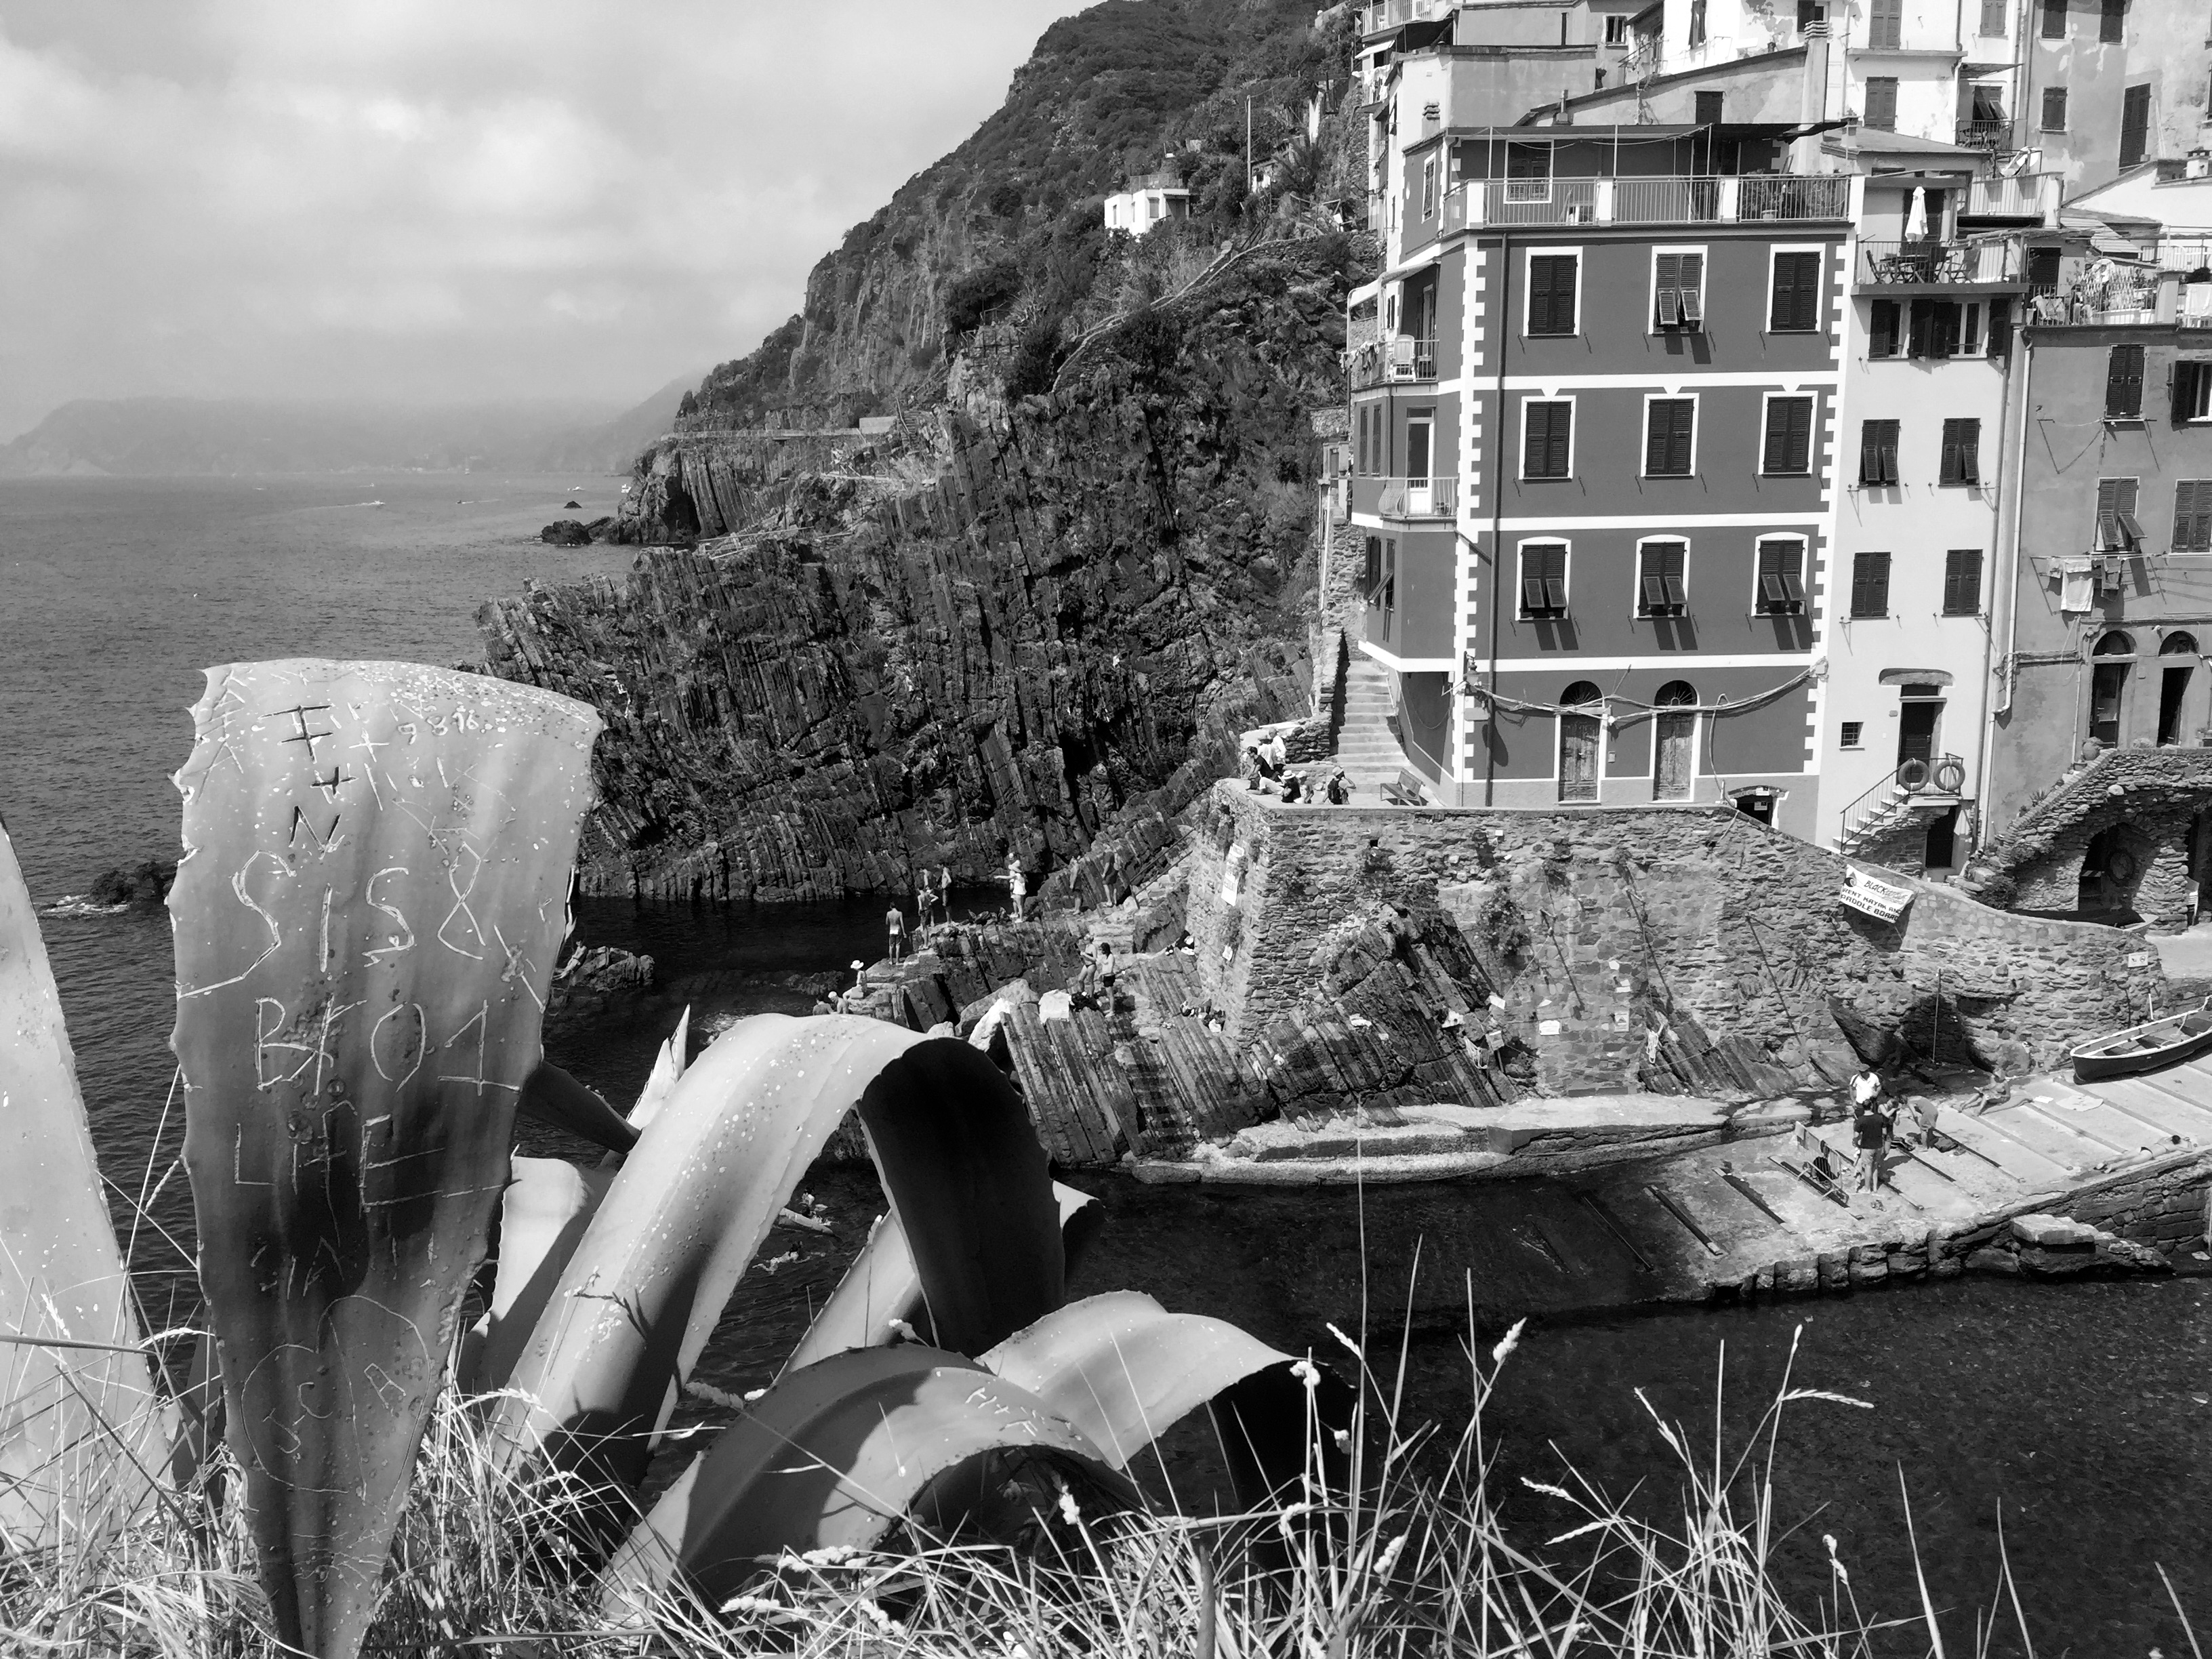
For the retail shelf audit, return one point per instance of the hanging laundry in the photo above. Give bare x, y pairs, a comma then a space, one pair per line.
2077, 580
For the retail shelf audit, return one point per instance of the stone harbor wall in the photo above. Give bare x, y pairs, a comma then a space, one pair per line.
2144, 810
1612, 933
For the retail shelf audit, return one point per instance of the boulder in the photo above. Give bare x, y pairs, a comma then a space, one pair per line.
565, 532
2052, 1232
143, 885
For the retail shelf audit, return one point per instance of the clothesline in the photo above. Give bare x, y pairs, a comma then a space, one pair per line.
1642, 711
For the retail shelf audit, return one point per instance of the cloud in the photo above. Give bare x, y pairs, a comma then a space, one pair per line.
383, 198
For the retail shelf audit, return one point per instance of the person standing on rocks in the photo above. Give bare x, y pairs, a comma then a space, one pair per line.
1869, 1131
894, 924
925, 895
1017, 883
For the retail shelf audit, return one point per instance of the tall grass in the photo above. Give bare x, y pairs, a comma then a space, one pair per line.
1403, 1552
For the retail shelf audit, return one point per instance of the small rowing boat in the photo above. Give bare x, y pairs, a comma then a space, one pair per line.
2145, 1048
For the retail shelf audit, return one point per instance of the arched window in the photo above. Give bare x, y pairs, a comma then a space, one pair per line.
1579, 738
1675, 743
2174, 644
2108, 687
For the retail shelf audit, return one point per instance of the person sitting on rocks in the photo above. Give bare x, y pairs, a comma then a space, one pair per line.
1293, 789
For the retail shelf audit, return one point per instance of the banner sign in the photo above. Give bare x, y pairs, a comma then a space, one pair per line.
1885, 901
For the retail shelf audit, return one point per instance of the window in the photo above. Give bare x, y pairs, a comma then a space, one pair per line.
1934, 330
2000, 341
1880, 102
2134, 125
2124, 378
1551, 293
2054, 109
1962, 582
2054, 20
1388, 591
2117, 529
1616, 29
1962, 453
1543, 579
1528, 172
1371, 578
1428, 188
1789, 446
1781, 578
1883, 329
1795, 309
1854, 732
1886, 26
1970, 333
1706, 111
1993, 18
2192, 390
1662, 579
1870, 585
1547, 430
1678, 283
1670, 436
1419, 426
1878, 453
2113, 23
1696, 22
1579, 736
2192, 516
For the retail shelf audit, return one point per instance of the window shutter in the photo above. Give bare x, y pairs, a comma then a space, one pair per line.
1531, 592
1886, 26
2054, 20
1962, 581
1915, 344
2134, 125
2123, 377
1796, 292
1677, 585
1993, 18
1870, 584
1970, 452
1685, 416
1537, 423
2184, 393
1556, 451
1655, 587
2184, 513
1884, 332
1953, 466
1667, 276
2000, 341
1658, 437
1789, 434
1552, 295
2112, 25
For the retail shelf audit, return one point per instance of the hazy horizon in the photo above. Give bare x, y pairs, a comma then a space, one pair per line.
409, 203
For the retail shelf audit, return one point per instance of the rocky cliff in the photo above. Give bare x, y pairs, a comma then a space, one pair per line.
1075, 614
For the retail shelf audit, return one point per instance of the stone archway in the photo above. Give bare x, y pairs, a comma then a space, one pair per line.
2112, 864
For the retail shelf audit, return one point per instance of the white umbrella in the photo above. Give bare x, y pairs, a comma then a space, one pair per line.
1915, 217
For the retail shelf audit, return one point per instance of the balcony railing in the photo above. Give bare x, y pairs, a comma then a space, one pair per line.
1659, 200
1985, 135
1419, 498
1908, 264
1390, 13
2103, 295
2025, 196
1933, 782
1401, 359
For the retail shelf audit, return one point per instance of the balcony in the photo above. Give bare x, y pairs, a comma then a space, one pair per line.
1387, 15
1386, 361
1985, 135
1415, 499
1656, 200
2102, 295
2028, 198
1937, 264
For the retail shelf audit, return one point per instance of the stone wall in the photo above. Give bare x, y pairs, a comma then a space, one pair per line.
2165, 1208
2149, 804
1608, 932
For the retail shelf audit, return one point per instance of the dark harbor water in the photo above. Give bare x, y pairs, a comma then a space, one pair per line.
2085, 1412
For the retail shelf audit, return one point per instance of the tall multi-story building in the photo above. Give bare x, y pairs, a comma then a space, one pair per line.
1593, 465
2104, 615
1937, 280
2110, 85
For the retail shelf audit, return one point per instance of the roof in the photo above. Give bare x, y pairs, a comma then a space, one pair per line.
1879, 140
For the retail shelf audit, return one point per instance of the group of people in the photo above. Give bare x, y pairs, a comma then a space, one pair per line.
1875, 1125
1270, 774
930, 893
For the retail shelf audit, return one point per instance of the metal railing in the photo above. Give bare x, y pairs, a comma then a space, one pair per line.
2102, 294
1654, 201
2024, 196
1390, 13
1400, 359
1984, 134
1911, 264
1419, 498
1913, 779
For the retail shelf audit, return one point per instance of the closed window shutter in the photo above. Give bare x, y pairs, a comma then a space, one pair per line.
1962, 582
1886, 26
1555, 450
1970, 452
1685, 415
1889, 452
1993, 17
2192, 515
1954, 471
1797, 283
1552, 295
1540, 296
1789, 434
2123, 383
1658, 433
1870, 584
2112, 25
2054, 20
1915, 344
2134, 125
1883, 340
1537, 423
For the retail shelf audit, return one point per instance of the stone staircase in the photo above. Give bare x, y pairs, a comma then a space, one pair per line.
1367, 746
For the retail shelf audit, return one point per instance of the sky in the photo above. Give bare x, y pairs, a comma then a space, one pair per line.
450, 200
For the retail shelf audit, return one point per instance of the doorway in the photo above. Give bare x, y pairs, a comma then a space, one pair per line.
1418, 430
2178, 653
2108, 687
1578, 742
1919, 719
1675, 743
1942, 851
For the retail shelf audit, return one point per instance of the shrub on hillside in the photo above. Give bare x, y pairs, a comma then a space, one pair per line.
973, 297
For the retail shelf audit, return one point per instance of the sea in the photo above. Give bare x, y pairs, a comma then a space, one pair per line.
2077, 1418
